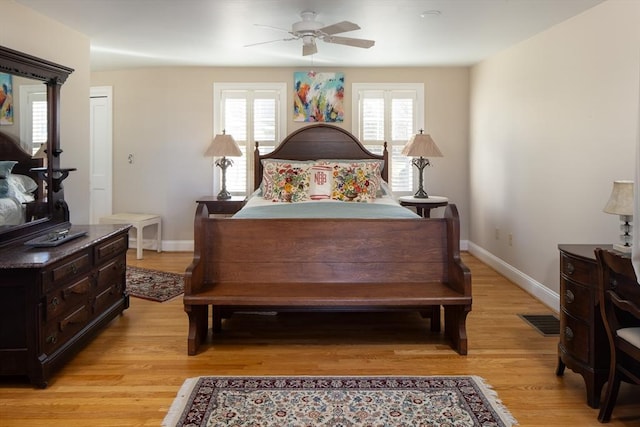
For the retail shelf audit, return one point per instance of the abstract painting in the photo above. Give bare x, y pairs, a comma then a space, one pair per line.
318, 97
6, 99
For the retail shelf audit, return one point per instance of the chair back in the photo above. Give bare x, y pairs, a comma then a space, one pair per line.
619, 291
619, 295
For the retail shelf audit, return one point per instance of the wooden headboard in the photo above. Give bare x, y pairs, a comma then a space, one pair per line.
318, 141
10, 149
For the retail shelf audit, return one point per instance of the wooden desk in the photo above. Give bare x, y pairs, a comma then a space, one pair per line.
583, 346
424, 206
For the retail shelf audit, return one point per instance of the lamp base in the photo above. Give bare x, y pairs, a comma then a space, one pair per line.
421, 194
622, 248
224, 195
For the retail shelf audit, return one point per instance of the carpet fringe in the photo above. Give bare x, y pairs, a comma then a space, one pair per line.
179, 403
492, 395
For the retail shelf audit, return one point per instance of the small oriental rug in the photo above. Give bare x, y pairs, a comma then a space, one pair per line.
337, 401
153, 285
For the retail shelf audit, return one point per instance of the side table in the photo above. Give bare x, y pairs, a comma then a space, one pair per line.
424, 206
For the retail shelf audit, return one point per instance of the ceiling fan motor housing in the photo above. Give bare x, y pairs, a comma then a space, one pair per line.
308, 26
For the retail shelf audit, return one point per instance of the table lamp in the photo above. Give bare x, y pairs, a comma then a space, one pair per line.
621, 203
223, 145
419, 147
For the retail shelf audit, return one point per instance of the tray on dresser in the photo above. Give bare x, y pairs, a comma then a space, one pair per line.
48, 240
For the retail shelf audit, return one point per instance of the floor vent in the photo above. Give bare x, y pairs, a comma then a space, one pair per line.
547, 324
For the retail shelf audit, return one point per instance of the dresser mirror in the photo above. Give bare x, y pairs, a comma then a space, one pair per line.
31, 194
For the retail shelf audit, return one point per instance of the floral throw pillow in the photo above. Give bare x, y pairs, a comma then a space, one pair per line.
285, 181
356, 181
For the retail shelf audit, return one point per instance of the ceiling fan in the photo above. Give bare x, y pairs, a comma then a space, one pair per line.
308, 30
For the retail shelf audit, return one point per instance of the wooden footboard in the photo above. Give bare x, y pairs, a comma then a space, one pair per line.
327, 264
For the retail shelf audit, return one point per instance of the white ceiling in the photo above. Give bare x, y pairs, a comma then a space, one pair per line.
142, 33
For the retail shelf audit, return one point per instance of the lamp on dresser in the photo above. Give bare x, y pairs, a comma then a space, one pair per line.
421, 146
223, 146
621, 203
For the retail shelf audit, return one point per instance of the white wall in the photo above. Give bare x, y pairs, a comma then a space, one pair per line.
32, 33
553, 124
164, 116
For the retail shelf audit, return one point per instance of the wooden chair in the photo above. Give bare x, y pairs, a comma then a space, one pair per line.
619, 294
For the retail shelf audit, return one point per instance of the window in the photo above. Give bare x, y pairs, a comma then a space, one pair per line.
33, 115
249, 112
392, 113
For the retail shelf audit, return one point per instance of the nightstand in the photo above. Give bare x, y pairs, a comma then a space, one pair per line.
222, 206
424, 206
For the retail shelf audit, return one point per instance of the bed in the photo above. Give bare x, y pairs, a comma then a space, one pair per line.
19, 189
297, 246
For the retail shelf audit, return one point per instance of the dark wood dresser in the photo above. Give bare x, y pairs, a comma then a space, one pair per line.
54, 300
583, 346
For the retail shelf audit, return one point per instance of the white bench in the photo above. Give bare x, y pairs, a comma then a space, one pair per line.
139, 222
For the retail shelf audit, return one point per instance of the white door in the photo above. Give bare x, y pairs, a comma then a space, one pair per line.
101, 169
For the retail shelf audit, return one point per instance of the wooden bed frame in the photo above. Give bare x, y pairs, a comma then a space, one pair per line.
10, 149
326, 264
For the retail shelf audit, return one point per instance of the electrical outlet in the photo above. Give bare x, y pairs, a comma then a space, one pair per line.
510, 239
130, 158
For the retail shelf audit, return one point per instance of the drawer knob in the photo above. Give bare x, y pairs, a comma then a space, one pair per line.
568, 333
613, 283
52, 339
55, 301
570, 268
568, 296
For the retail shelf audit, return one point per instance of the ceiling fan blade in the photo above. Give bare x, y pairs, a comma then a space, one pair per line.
340, 27
272, 28
271, 41
350, 41
309, 49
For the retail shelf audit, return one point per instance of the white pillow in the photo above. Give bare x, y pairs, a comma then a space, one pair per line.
321, 182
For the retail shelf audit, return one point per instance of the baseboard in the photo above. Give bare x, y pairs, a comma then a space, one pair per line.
167, 245
545, 295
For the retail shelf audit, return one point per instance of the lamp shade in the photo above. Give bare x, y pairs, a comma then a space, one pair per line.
421, 145
223, 145
621, 199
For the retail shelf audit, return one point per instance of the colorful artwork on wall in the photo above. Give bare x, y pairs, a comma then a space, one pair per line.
318, 97
6, 99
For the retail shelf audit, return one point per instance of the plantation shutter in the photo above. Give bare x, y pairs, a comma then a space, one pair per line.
249, 116
389, 115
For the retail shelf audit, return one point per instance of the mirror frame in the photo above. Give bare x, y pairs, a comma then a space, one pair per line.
53, 75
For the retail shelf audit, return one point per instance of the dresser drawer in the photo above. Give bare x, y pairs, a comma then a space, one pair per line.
576, 299
111, 248
578, 270
66, 270
574, 336
65, 327
112, 272
106, 298
60, 300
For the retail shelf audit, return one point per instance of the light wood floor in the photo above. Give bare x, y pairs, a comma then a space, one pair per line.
129, 375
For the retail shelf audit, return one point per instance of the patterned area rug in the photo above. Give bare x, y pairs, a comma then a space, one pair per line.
337, 401
153, 285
